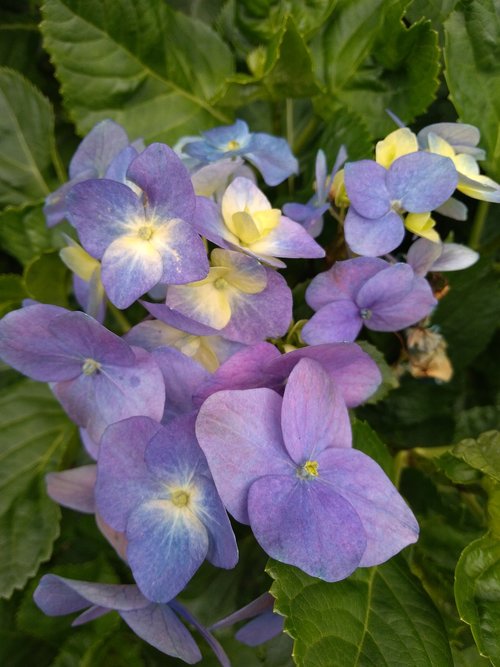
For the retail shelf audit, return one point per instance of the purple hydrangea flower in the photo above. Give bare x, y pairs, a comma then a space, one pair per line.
97, 377
365, 291
157, 624
104, 153
311, 500
310, 215
146, 240
271, 155
352, 370
247, 222
418, 183
153, 483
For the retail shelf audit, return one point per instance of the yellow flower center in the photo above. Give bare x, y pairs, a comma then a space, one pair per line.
309, 469
180, 498
145, 232
233, 145
90, 366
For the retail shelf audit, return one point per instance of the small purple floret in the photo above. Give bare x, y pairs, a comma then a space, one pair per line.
365, 291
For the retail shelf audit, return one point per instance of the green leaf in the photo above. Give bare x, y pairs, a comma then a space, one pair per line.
370, 61
482, 454
474, 421
437, 11
138, 62
12, 292
46, 279
282, 69
34, 434
477, 593
259, 20
468, 314
26, 139
366, 440
457, 469
378, 616
342, 127
24, 233
472, 60
289, 68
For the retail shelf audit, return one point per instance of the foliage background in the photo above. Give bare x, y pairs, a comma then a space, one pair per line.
320, 73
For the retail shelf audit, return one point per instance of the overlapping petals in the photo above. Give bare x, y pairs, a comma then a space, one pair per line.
417, 182
365, 291
303, 490
153, 483
141, 243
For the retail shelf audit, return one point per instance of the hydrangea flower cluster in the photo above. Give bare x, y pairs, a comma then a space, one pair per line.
200, 411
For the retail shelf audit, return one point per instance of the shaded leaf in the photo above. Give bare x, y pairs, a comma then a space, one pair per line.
138, 62
482, 454
389, 378
45, 278
366, 440
472, 72
26, 139
378, 616
34, 434
477, 592
24, 233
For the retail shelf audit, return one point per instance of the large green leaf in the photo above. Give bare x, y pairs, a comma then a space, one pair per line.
472, 59
24, 233
139, 62
477, 592
370, 61
46, 279
34, 434
26, 139
378, 616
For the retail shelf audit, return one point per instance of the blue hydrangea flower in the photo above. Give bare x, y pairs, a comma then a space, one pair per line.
105, 152
153, 483
157, 624
141, 240
417, 183
271, 155
265, 624
311, 500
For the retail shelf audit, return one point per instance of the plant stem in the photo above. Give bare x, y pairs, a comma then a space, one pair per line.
478, 225
58, 165
290, 137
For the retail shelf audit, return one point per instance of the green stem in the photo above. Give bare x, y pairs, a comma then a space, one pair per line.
119, 318
478, 225
58, 165
305, 136
290, 138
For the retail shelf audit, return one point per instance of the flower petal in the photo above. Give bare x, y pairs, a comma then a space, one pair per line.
101, 210
236, 426
159, 172
166, 545
302, 523
373, 237
73, 488
314, 415
388, 522
422, 181
366, 188
337, 322
122, 473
